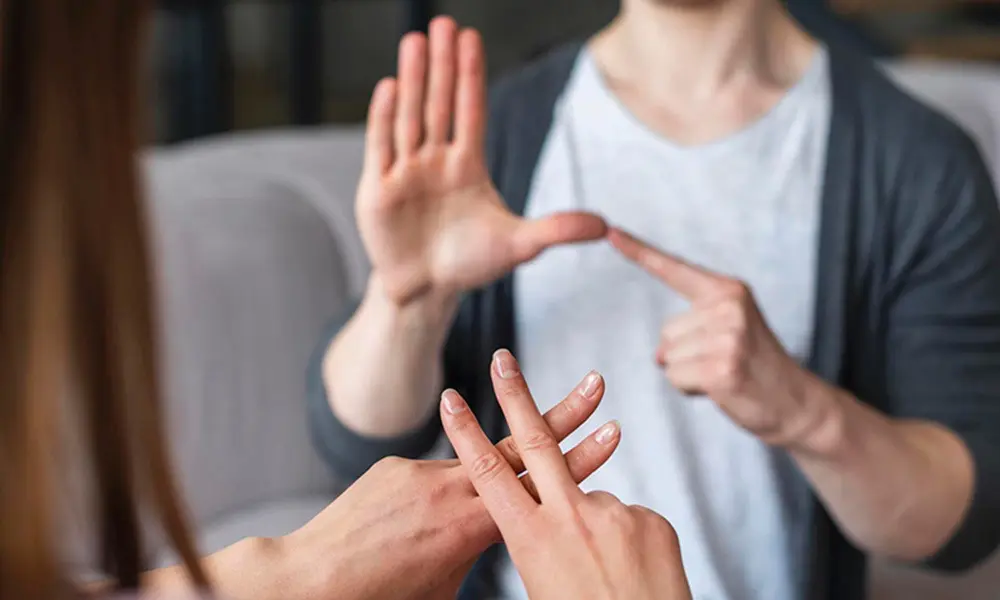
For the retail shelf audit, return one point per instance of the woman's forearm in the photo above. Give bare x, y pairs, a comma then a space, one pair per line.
251, 569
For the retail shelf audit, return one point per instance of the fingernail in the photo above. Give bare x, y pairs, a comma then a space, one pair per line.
608, 432
506, 364
590, 383
453, 403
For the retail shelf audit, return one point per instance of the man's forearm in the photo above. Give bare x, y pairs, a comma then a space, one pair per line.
896, 488
383, 371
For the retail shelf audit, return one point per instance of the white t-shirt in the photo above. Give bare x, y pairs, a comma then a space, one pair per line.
747, 206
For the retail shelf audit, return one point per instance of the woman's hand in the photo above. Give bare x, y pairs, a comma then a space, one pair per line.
413, 529
567, 544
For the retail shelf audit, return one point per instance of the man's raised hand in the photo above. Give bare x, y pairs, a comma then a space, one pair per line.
431, 219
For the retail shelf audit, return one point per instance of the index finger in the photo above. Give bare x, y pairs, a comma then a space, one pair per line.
535, 442
496, 483
686, 279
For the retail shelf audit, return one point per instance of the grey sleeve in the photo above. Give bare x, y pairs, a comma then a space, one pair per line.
941, 318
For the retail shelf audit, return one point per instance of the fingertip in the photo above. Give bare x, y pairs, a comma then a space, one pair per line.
412, 38
452, 403
619, 239
593, 228
609, 433
505, 365
595, 451
385, 92
470, 35
441, 24
580, 227
470, 48
592, 387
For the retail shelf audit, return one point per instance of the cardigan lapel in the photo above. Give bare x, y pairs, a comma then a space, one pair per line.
523, 123
833, 275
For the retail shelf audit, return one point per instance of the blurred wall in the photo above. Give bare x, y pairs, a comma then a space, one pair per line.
359, 44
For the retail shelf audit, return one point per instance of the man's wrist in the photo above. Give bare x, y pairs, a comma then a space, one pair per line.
821, 430
434, 309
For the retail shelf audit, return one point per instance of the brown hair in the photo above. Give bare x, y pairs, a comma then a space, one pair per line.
76, 301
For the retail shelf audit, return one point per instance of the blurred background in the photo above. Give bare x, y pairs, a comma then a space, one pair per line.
227, 65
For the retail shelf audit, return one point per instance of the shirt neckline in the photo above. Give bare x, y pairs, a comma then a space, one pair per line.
587, 72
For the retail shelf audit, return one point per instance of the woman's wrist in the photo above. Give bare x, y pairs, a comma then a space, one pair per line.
254, 568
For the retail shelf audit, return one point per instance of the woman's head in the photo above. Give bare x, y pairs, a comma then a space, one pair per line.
76, 314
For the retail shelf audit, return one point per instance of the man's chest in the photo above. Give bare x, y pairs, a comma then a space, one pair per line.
755, 219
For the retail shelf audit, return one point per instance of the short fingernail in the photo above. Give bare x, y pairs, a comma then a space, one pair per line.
608, 432
506, 364
590, 383
453, 403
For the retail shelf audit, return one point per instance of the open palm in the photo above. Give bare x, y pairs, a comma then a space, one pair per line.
430, 217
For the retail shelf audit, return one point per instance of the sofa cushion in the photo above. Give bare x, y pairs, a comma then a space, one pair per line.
322, 165
249, 272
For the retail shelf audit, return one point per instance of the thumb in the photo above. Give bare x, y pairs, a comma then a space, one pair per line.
532, 237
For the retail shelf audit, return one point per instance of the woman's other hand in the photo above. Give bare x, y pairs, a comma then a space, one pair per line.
412, 529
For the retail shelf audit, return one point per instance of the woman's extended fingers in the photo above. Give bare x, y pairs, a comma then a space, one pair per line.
470, 97
411, 82
441, 80
563, 418
535, 443
587, 456
496, 483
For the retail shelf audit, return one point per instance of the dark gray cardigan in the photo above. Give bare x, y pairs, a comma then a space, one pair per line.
908, 293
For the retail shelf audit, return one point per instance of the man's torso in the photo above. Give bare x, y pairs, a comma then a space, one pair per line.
747, 206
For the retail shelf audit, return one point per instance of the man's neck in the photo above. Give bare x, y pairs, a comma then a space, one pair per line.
703, 46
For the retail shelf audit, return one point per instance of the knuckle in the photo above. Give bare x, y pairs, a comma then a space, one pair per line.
737, 316
439, 491
486, 467
390, 464
653, 522
602, 498
731, 346
727, 376
619, 512
741, 291
566, 411
538, 441
621, 518
667, 534
508, 448
729, 289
